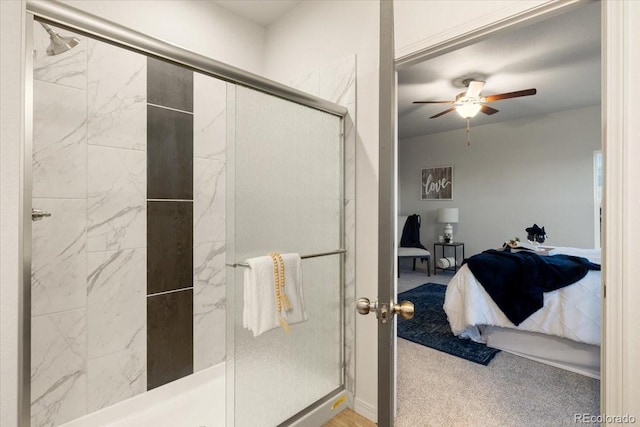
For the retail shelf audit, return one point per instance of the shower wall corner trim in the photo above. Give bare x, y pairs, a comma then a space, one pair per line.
67, 16
26, 191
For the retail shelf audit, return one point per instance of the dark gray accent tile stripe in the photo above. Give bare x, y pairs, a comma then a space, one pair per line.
169, 246
169, 85
169, 337
169, 222
169, 154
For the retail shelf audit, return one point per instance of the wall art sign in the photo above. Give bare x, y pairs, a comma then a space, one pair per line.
437, 183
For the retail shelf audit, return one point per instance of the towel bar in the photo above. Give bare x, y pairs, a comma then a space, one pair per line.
337, 251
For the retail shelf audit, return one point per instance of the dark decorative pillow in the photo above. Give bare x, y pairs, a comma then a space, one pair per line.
536, 234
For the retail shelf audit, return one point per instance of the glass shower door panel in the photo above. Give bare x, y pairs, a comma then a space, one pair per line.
288, 198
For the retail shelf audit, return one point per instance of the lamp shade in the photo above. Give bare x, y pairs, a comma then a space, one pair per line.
448, 215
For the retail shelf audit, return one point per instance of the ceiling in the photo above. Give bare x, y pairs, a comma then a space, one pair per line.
560, 57
261, 12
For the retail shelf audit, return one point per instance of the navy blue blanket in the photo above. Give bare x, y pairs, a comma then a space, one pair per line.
516, 281
411, 233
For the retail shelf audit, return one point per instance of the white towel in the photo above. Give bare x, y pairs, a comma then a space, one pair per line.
447, 262
259, 313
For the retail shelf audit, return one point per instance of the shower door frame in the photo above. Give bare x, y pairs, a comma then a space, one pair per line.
72, 19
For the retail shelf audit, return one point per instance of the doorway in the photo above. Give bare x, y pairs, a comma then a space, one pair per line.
444, 145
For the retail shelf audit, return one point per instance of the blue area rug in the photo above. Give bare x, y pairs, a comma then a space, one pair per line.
430, 326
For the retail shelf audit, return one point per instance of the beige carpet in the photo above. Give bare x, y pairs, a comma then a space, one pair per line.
436, 389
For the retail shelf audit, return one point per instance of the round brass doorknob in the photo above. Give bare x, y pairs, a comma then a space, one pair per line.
405, 309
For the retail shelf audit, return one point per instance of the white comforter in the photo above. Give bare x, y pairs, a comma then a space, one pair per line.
571, 312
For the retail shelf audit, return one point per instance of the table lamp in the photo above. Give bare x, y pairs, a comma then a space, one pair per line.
448, 216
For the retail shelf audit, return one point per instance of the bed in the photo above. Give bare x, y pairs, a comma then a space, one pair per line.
564, 333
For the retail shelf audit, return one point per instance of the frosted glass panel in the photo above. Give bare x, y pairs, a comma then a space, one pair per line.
288, 198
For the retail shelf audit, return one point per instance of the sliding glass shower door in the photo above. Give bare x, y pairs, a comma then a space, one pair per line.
285, 194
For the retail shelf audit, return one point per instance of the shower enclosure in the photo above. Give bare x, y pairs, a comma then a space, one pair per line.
155, 173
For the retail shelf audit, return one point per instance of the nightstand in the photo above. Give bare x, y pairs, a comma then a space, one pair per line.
444, 252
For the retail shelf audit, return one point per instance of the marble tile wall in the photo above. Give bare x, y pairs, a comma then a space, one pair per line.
59, 247
116, 225
97, 257
92, 328
88, 267
209, 223
116, 326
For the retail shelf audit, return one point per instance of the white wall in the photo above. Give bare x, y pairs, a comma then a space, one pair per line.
311, 35
200, 26
514, 174
423, 23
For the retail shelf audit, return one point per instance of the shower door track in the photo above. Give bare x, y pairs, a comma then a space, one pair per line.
75, 20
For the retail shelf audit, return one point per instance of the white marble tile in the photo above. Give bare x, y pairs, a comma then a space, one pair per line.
59, 260
350, 153
209, 301
209, 189
209, 352
209, 117
309, 83
338, 84
72, 325
117, 97
350, 293
59, 141
116, 377
117, 188
58, 375
116, 301
68, 68
337, 81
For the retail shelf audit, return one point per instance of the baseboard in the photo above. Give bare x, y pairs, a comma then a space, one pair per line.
366, 410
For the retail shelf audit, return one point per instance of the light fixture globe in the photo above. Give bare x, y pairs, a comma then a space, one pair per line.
468, 110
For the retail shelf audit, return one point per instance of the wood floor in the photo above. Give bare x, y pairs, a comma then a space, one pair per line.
348, 418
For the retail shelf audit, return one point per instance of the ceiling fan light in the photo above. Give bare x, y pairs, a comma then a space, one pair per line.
468, 111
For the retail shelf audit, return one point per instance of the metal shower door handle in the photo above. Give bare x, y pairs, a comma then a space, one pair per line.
38, 214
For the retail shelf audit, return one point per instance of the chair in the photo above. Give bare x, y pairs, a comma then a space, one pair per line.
414, 253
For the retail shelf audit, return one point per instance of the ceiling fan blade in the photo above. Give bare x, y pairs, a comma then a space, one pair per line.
474, 89
433, 102
508, 95
443, 113
488, 110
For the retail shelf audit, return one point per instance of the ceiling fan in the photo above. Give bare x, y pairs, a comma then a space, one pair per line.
469, 103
